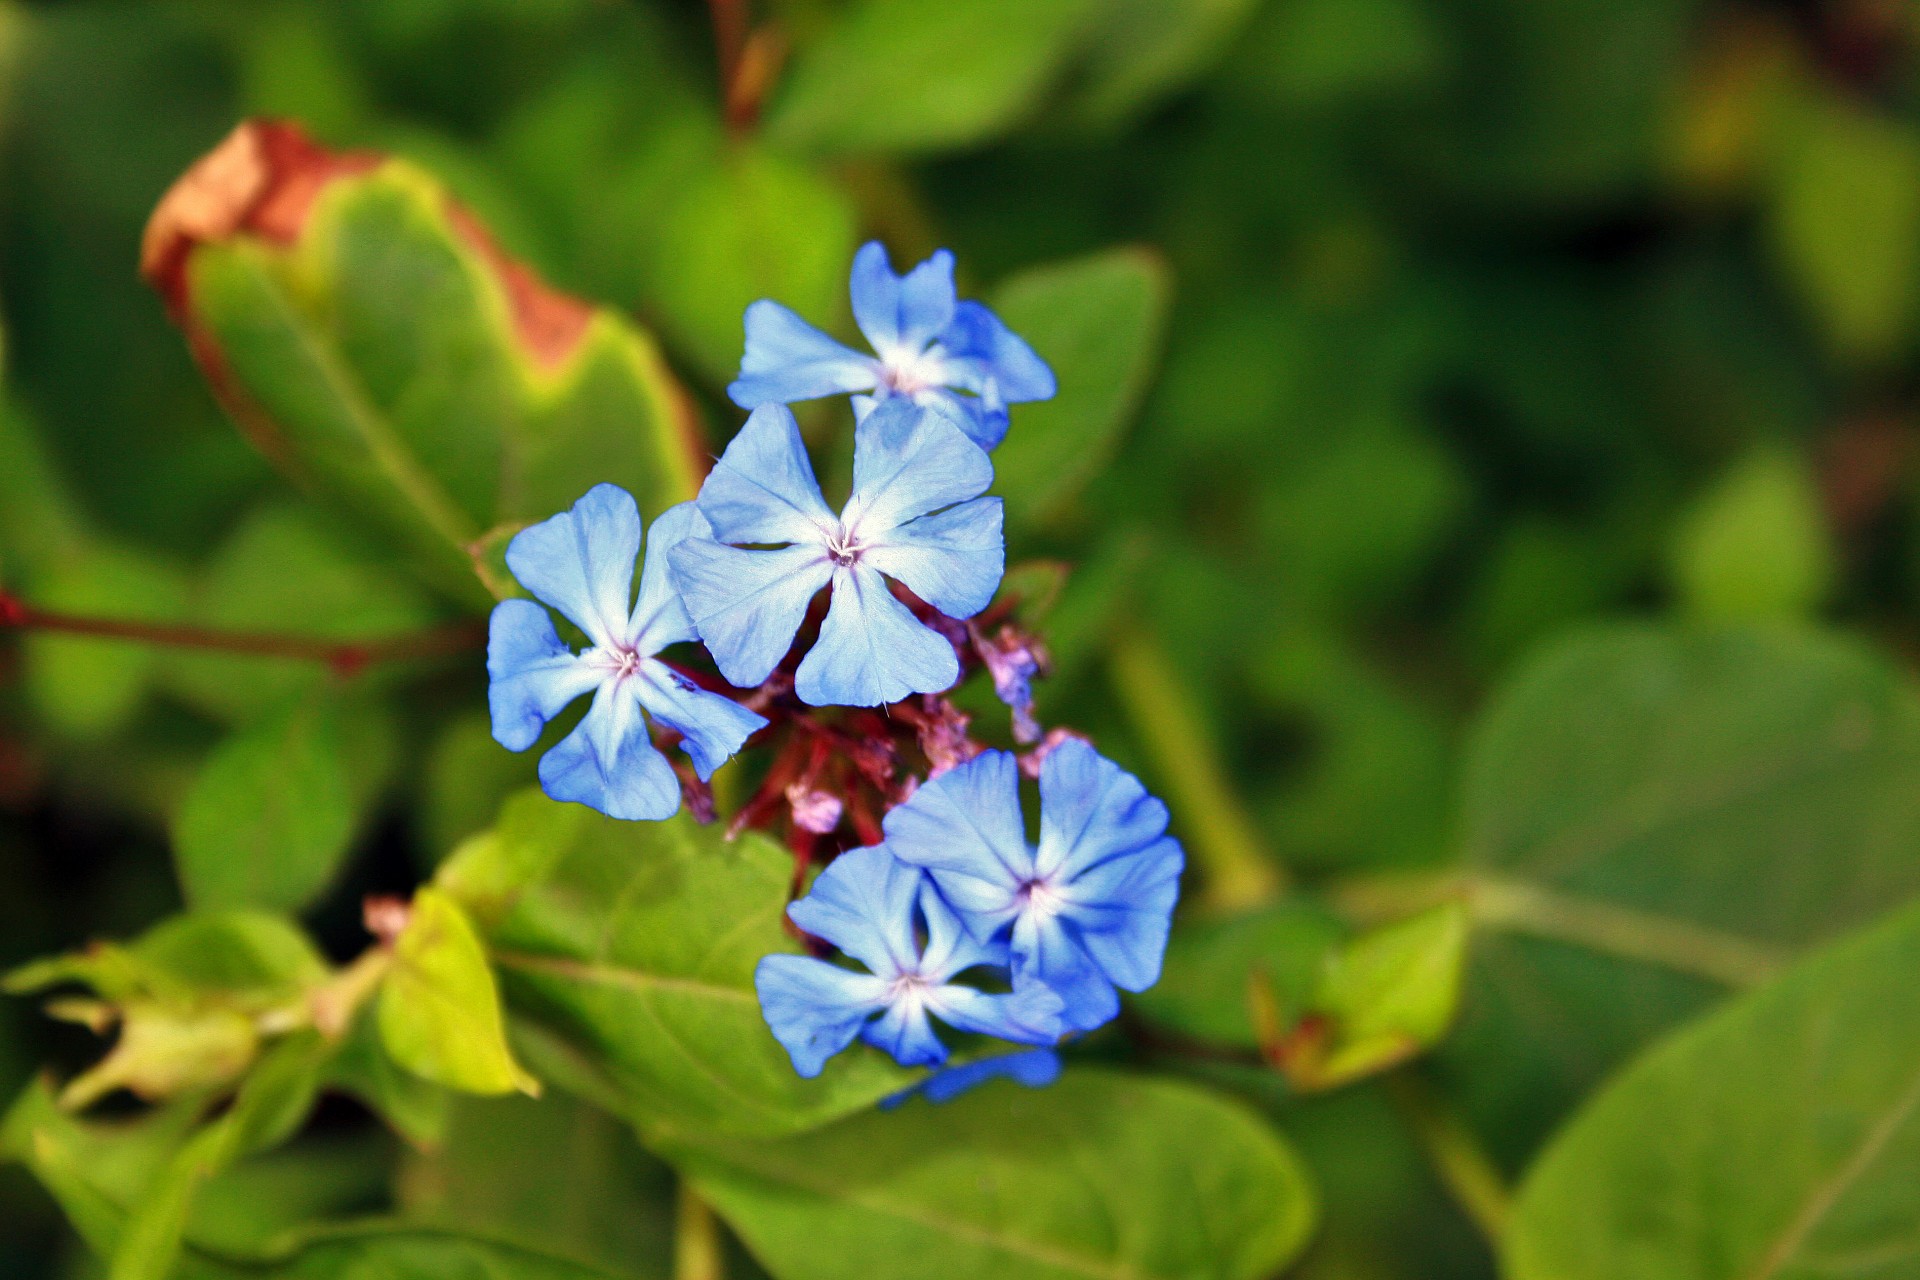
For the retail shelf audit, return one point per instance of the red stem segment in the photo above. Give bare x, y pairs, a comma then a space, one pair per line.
344, 658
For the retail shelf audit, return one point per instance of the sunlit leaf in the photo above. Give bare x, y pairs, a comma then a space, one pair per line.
439, 1007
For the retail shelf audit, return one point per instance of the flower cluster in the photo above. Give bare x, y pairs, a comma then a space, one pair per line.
834, 638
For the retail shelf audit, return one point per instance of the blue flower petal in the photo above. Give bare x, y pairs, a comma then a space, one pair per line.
609, 763
952, 559
711, 727
1123, 908
950, 949
531, 674
965, 828
977, 337
1047, 952
871, 650
747, 604
813, 1008
1035, 1068
762, 489
902, 1029
1030, 1014
863, 904
901, 311
581, 561
659, 618
788, 359
1091, 810
908, 461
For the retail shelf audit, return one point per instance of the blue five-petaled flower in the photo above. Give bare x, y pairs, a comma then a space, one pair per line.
884, 913
581, 562
916, 515
1083, 912
929, 348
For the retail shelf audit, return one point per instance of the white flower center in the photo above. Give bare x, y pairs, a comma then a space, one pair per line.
907, 372
620, 663
844, 548
1042, 898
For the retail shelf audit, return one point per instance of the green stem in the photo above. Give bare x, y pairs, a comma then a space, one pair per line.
1461, 1163
1237, 871
696, 1239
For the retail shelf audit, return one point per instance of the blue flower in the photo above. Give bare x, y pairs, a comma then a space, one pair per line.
581, 563
1034, 1068
883, 913
928, 348
1085, 911
915, 516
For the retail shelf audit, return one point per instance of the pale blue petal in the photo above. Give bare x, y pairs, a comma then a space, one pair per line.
1035, 1068
746, 604
659, 618
863, 903
1047, 952
965, 828
813, 1008
788, 359
712, 727
996, 353
901, 311
609, 763
1091, 810
871, 650
1031, 1014
862, 406
1122, 910
581, 561
908, 461
903, 1031
950, 948
762, 489
531, 675
952, 559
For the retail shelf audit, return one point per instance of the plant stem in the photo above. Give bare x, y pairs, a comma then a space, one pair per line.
696, 1239
346, 658
1237, 870
1461, 1163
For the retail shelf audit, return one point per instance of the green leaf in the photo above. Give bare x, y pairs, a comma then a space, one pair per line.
1204, 988
742, 223
417, 1253
439, 1007
1098, 321
468, 776
84, 686
377, 346
637, 942
1325, 52
1844, 221
1142, 50
282, 572
1101, 1175
1386, 995
414, 1108
272, 813
1777, 1137
1756, 545
921, 75
1650, 817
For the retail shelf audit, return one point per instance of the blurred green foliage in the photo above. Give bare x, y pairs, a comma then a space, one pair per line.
1484, 473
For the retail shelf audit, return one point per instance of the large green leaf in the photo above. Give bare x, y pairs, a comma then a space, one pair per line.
376, 345
1101, 1175
1098, 321
1652, 816
416, 1253
1778, 1137
637, 942
920, 75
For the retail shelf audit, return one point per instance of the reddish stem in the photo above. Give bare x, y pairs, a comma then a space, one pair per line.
344, 658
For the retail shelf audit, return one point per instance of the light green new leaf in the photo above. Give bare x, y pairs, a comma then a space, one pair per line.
923, 75
1777, 1138
1205, 988
1756, 545
1102, 1175
1844, 221
636, 942
1098, 321
1390, 993
389, 357
1650, 817
272, 813
439, 1008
